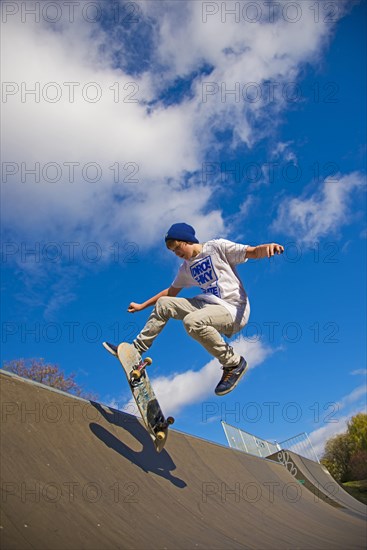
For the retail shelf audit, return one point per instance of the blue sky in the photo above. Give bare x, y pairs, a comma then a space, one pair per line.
119, 121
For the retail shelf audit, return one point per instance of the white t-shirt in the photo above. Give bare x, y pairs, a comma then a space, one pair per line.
214, 271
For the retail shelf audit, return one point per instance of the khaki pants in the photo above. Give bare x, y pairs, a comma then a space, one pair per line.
203, 321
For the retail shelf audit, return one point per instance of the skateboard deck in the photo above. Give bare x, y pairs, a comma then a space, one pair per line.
142, 391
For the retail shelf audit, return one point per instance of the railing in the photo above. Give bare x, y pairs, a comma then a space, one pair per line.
249, 443
301, 445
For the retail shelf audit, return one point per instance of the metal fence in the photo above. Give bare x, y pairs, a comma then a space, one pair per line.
249, 443
301, 445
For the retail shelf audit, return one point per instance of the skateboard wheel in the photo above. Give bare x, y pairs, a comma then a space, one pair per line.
160, 436
136, 374
148, 360
170, 420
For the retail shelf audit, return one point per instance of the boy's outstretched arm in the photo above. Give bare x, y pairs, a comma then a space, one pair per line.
264, 251
171, 291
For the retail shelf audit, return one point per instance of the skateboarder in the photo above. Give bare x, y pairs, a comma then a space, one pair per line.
222, 308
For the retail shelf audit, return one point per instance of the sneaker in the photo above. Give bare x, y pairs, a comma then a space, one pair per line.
110, 347
230, 378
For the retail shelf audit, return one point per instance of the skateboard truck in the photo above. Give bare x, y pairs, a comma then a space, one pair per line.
159, 432
138, 371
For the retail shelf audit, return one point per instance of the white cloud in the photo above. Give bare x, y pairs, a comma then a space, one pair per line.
243, 56
183, 389
354, 402
320, 436
151, 150
159, 147
363, 372
321, 214
283, 149
352, 397
164, 144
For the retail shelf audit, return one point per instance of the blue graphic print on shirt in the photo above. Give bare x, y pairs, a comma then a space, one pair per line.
205, 276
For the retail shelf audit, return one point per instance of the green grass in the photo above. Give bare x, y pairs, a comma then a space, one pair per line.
358, 489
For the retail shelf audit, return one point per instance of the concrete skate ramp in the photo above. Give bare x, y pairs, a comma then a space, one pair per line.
79, 475
318, 480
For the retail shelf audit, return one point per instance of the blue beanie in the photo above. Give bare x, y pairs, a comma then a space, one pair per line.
181, 232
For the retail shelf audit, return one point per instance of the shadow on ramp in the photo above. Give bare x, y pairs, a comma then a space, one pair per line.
147, 459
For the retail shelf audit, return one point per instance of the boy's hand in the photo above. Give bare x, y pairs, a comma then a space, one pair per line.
264, 251
271, 249
133, 307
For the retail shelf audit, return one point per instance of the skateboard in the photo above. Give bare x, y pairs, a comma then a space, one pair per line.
141, 388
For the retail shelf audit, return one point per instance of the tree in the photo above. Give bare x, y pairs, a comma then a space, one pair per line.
357, 431
345, 455
358, 466
337, 456
48, 374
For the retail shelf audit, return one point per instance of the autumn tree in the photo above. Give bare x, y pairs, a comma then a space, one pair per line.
48, 374
337, 456
345, 455
357, 432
